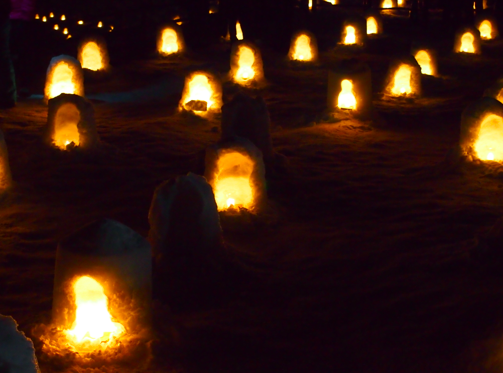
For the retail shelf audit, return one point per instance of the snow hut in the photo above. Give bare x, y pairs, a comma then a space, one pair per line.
303, 47
64, 75
70, 123
236, 172
93, 54
350, 87
202, 94
404, 78
488, 27
354, 31
183, 218
374, 23
246, 64
248, 118
17, 354
170, 40
467, 40
427, 60
481, 134
102, 285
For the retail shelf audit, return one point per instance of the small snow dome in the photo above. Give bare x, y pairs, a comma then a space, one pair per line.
404, 78
170, 40
93, 54
354, 31
487, 25
387, 4
246, 64
202, 94
236, 172
350, 87
427, 60
64, 75
17, 354
183, 219
102, 286
467, 40
70, 123
482, 130
303, 47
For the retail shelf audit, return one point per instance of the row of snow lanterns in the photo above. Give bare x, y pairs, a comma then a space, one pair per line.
63, 19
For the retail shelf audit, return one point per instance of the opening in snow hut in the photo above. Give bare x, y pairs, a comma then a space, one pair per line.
387, 4
303, 47
183, 218
467, 40
70, 123
404, 78
426, 60
93, 54
64, 75
488, 28
354, 31
201, 94
350, 87
481, 134
102, 286
170, 40
236, 172
239, 31
246, 64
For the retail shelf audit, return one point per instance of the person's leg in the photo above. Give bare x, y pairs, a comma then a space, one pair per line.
7, 77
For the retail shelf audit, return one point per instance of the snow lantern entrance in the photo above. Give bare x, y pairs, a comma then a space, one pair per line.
70, 123
350, 87
93, 54
372, 27
467, 41
487, 27
427, 61
482, 130
387, 4
201, 94
64, 75
102, 286
235, 170
353, 31
239, 31
183, 219
404, 78
170, 40
303, 47
246, 64
349, 35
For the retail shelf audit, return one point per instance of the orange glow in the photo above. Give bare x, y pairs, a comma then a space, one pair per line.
80, 22
69, 36
37, 16
199, 90
246, 59
350, 35
63, 18
346, 99
56, 27
91, 57
232, 182
371, 26
239, 31
310, 4
387, 4
467, 43
424, 61
100, 24
485, 29
400, 2
302, 48
65, 129
401, 81
44, 19
333, 2
489, 144
169, 41
65, 31
62, 80
93, 323
51, 15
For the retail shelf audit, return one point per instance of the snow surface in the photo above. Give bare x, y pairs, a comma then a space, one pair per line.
17, 354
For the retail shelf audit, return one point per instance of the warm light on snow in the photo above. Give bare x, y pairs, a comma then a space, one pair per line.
232, 182
62, 80
239, 31
65, 31
333, 2
485, 29
424, 61
37, 16
56, 27
44, 19
51, 15
93, 321
200, 90
346, 99
63, 18
246, 59
401, 81
169, 41
310, 4
91, 57
65, 129
350, 35
400, 2
100, 24
302, 48
489, 144
467, 43
371, 26
387, 4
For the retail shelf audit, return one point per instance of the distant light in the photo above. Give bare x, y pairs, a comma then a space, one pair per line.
63, 18
51, 15
44, 19
56, 27
80, 22
179, 22
69, 36
100, 24
37, 16
65, 31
